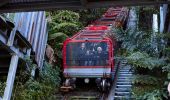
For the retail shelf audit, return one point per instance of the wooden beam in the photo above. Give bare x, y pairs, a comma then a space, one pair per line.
3, 2
75, 4
39, 6
125, 3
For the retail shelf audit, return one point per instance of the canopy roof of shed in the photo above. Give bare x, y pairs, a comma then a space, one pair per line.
35, 5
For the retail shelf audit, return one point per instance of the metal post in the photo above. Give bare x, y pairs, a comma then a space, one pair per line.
132, 20
163, 13
43, 44
11, 77
155, 31
155, 23
37, 30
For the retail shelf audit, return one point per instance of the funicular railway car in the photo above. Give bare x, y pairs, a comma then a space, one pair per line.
89, 54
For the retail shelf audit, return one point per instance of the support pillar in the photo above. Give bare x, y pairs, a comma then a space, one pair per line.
163, 13
11, 77
155, 31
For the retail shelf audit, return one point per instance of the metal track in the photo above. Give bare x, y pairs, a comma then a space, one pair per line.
80, 95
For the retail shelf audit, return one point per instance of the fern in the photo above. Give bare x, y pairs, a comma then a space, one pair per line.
2, 87
56, 35
50, 75
139, 91
68, 28
66, 16
166, 68
148, 93
143, 60
145, 80
139, 41
155, 95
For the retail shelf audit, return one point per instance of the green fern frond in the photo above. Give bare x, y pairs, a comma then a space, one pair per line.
55, 35
143, 60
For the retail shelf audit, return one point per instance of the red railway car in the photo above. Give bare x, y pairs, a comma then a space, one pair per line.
89, 54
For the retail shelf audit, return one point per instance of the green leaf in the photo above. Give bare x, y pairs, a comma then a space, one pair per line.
56, 35
66, 16
168, 75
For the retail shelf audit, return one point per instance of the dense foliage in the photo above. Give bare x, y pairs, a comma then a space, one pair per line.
62, 24
88, 16
42, 88
2, 87
145, 51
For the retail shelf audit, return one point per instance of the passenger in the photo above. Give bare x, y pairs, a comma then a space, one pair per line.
100, 57
88, 58
95, 45
81, 54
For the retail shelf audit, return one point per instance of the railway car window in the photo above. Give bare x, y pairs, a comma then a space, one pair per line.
87, 54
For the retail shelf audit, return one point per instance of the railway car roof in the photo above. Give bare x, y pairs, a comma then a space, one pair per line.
98, 29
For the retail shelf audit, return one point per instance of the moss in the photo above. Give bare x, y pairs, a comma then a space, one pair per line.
2, 87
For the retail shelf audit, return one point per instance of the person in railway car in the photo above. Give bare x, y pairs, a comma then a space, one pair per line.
81, 54
88, 58
95, 45
99, 56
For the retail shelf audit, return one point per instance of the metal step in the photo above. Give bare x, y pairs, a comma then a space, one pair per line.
123, 86
123, 80
122, 93
124, 83
125, 77
124, 62
122, 98
126, 67
122, 89
125, 72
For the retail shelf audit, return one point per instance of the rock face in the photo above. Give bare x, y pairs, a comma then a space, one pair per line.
50, 54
